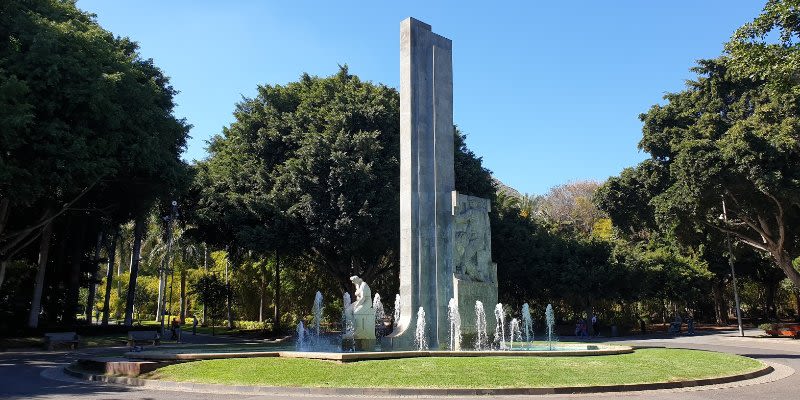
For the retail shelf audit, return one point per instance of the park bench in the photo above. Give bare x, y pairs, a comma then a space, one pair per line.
51, 340
784, 330
143, 336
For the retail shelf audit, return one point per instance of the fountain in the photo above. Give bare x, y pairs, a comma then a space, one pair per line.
481, 338
317, 311
420, 341
302, 338
455, 324
348, 329
550, 321
500, 327
527, 323
514, 333
396, 314
355, 324
379, 315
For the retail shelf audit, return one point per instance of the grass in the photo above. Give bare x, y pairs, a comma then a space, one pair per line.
645, 365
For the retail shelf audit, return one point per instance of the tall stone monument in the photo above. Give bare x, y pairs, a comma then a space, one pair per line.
431, 212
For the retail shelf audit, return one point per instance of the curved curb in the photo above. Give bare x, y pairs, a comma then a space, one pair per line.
578, 351
276, 390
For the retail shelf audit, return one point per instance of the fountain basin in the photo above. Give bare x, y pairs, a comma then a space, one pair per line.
561, 350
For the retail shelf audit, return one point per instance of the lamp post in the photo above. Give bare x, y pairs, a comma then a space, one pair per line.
733, 270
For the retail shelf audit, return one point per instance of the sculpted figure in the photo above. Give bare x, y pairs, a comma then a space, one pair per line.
363, 294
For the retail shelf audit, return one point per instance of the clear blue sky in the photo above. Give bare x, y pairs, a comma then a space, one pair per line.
547, 91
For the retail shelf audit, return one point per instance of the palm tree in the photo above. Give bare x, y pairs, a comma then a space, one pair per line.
186, 254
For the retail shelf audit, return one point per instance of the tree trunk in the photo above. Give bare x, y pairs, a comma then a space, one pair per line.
92, 285
719, 303
3, 214
74, 278
784, 261
3, 266
3, 217
205, 270
36, 303
228, 298
769, 301
771, 286
263, 292
111, 252
138, 233
276, 317
796, 304
183, 295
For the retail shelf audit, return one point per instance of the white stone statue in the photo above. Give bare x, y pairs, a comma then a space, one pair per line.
363, 316
363, 294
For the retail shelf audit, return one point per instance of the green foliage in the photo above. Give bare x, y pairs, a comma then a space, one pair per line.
470, 175
767, 47
109, 119
210, 290
87, 132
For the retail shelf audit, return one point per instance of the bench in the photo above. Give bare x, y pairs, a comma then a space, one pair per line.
143, 336
71, 339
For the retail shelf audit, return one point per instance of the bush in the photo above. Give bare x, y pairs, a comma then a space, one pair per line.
250, 325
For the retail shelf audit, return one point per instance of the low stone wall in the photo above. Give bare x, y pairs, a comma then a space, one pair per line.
573, 351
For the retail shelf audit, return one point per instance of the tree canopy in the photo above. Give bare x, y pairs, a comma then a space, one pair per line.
725, 147
87, 134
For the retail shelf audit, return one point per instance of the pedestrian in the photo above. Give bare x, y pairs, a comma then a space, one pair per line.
579, 327
174, 328
584, 328
595, 326
675, 326
194, 324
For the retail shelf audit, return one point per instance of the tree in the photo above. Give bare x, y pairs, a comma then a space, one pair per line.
211, 291
102, 146
729, 146
569, 206
136, 257
340, 181
323, 152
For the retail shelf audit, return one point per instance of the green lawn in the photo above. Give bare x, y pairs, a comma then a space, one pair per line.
646, 365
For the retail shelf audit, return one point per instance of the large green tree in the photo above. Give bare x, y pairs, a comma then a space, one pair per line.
86, 129
729, 140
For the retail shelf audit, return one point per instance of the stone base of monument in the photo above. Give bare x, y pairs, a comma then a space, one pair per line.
364, 329
466, 293
365, 344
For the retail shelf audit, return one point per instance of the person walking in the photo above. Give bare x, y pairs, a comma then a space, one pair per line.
595, 326
194, 324
175, 328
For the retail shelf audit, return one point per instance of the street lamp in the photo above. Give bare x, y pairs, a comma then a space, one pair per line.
733, 270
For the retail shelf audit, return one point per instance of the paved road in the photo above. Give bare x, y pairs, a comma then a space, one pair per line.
36, 375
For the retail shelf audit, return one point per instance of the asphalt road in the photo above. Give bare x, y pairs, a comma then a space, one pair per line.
37, 375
